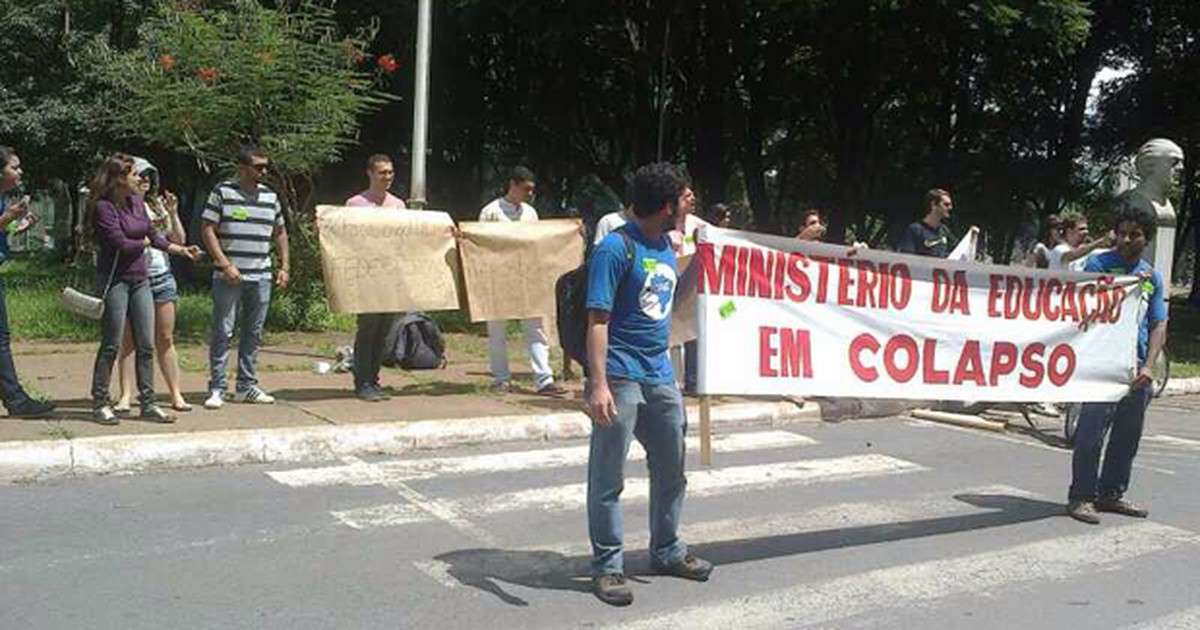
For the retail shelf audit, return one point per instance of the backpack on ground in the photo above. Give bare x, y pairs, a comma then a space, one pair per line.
414, 342
570, 296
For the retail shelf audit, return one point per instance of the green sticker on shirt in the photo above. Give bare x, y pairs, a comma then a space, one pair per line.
727, 310
241, 214
649, 265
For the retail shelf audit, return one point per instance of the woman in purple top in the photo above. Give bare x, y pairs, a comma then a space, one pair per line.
123, 231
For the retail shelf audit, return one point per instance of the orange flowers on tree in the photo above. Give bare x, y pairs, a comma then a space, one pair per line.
166, 62
207, 74
387, 63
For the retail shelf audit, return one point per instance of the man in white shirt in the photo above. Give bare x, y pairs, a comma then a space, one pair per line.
683, 240
614, 220
1072, 252
513, 207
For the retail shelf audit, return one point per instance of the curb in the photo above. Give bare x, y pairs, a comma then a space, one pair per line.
1182, 387
46, 459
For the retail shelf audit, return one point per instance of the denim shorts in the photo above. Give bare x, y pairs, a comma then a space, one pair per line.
163, 288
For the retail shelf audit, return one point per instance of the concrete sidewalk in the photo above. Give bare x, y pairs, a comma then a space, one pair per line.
317, 417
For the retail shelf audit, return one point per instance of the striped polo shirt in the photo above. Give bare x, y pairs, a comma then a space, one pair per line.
245, 224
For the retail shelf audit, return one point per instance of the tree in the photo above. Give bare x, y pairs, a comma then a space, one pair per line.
204, 82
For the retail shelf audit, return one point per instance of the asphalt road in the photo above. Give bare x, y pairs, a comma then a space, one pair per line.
891, 523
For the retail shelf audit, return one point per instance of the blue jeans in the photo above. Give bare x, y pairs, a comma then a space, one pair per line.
10, 386
1125, 418
654, 415
132, 302
243, 306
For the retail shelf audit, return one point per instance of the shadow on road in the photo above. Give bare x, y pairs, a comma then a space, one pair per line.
487, 569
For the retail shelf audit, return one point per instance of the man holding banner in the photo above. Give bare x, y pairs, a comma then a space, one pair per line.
930, 236
513, 207
631, 388
373, 327
1089, 494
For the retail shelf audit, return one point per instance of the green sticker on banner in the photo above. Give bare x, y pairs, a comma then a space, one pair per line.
1147, 287
649, 265
727, 310
690, 238
241, 214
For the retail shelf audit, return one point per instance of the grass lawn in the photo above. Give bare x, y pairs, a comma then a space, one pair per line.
1183, 339
34, 313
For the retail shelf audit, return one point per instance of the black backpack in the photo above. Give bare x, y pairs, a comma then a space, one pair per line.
570, 294
414, 342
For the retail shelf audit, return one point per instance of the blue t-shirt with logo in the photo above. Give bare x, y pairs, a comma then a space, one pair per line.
637, 294
1154, 303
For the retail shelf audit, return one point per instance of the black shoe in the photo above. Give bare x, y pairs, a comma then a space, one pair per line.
154, 413
104, 415
689, 568
369, 394
31, 408
1122, 507
613, 590
1083, 511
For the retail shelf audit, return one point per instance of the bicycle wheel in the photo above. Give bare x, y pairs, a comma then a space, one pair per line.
1162, 372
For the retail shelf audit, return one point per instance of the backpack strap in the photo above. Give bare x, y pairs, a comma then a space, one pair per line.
629, 252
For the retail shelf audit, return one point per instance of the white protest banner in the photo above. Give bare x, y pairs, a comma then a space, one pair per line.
383, 260
779, 316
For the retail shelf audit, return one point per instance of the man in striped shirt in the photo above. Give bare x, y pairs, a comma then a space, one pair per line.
240, 220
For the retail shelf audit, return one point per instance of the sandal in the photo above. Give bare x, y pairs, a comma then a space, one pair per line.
181, 407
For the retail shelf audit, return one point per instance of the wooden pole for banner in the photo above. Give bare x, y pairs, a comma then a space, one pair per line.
705, 431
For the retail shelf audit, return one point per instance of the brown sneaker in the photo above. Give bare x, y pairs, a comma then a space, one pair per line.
1084, 512
1121, 506
689, 568
613, 590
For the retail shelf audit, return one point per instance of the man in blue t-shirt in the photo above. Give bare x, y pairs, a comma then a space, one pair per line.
1089, 493
631, 388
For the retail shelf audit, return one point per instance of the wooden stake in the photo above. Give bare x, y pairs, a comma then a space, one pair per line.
705, 431
958, 419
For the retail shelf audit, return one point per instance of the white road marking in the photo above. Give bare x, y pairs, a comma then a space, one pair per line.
1183, 620
1170, 440
921, 583
840, 516
406, 470
1012, 440
439, 571
440, 509
709, 482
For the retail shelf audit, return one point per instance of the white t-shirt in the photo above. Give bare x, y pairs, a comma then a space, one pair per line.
505, 211
607, 224
1055, 256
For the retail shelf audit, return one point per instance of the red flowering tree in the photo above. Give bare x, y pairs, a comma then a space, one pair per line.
203, 82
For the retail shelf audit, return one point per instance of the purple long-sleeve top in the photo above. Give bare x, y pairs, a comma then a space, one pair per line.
123, 231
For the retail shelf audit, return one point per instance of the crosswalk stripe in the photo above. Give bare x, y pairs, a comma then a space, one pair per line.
1171, 440
841, 516
923, 582
411, 469
1183, 620
709, 482
575, 556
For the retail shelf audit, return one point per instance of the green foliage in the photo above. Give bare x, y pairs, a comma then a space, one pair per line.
204, 82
